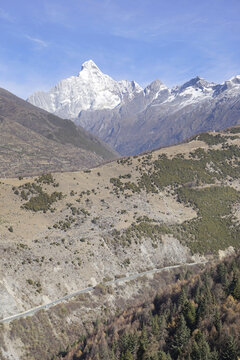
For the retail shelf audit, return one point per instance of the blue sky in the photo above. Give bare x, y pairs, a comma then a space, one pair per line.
42, 42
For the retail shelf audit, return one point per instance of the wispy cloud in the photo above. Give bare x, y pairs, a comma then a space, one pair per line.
37, 41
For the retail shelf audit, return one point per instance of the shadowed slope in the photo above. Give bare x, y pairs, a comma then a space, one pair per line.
33, 141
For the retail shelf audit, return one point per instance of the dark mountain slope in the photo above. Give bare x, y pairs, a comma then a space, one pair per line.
158, 117
33, 141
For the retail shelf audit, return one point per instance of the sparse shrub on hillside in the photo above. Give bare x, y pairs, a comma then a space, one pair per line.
94, 220
45, 179
235, 130
211, 139
214, 228
178, 171
23, 195
126, 262
42, 202
138, 232
85, 212
127, 176
118, 185
37, 199
36, 284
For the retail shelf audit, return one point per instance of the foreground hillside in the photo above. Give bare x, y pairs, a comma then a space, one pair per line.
69, 231
195, 319
34, 141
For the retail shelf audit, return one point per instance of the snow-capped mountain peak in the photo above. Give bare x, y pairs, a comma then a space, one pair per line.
191, 92
89, 70
235, 80
196, 83
89, 65
230, 86
106, 106
89, 90
156, 86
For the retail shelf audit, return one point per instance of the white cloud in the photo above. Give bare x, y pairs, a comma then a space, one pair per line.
37, 41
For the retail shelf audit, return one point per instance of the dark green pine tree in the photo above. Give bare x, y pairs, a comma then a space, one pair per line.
128, 342
214, 355
229, 349
143, 344
195, 351
197, 292
217, 321
189, 312
163, 356
180, 338
236, 288
155, 324
182, 298
200, 348
202, 309
222, 274
127, 356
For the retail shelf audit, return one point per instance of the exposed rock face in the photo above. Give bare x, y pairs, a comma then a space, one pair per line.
132, 119
90, 90
159, 116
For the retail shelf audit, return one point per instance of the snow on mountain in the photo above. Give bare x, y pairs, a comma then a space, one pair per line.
132, 119
193, 91
90, 90
159, 116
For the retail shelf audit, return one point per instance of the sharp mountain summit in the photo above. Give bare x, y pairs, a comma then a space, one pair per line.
132, 119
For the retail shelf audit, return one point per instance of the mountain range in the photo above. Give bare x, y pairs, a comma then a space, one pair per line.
34, 141
132, 119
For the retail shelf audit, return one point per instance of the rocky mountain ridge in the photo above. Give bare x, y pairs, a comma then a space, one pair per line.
132, 119
159, 116
89, 90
